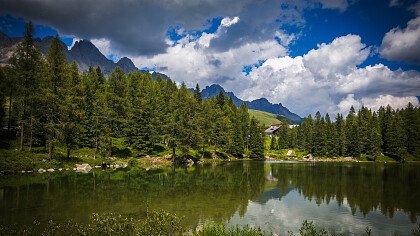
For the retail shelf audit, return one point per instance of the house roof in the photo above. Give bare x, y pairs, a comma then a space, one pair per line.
272, 129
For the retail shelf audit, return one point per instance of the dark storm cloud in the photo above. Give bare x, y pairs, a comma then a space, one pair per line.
139, 27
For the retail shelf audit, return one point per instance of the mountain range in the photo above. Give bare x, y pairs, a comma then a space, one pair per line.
261, 104
86, 55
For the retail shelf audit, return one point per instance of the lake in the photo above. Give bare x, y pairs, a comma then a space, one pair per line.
277, 196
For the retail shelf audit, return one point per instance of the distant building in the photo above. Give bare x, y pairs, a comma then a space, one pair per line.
293, 126
272, 130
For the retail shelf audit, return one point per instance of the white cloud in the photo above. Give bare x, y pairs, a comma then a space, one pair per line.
384, 100
227, 22
403, 44
327, 79
192, 61
104, 46
72, 43
345, 104
342, 55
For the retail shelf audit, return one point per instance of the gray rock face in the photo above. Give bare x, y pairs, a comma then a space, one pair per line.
83, 52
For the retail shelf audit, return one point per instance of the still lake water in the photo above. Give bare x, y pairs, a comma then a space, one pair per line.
278, 197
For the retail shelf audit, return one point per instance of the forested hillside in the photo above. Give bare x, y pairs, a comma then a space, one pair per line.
367, 133
48, 103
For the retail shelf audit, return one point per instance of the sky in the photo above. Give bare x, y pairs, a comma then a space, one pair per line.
314, 55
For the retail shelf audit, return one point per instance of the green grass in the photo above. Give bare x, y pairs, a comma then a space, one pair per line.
264, 118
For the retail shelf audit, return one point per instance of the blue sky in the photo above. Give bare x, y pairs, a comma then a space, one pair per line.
343, 52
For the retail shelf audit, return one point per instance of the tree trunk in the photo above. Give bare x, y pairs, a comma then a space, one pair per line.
9, 122
96, 147
22, 139
31, 138
173, 154
50, 149
110, 147
68, 152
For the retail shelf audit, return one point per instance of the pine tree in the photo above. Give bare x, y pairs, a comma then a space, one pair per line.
411, 124
116, 99
352, 134
197, 94
273, 145
341, 135
331, 139
55, 92
244, 123
375, 138
256, 141
319, 139
73, 113
25, 64
283, 137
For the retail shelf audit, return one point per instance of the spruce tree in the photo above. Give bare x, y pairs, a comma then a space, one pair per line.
55, 93
256, 141
352, 134
273, 145
25, 64
341, 135
73, 113
244, 123
197, 94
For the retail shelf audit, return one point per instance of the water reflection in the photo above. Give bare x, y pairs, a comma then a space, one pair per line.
276, 196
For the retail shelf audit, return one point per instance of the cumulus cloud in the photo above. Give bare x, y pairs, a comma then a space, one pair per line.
193, 61
394, 102
343, 54
334, 84
403, 44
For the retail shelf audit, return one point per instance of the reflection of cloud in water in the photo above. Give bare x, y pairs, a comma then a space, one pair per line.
284, 213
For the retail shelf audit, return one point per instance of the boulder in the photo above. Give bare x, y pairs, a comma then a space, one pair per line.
41, 170
50, 170
83, 167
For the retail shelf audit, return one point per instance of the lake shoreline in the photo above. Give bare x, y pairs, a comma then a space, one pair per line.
157, 162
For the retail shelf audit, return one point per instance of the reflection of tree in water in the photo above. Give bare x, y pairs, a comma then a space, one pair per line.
367, 187
198, 193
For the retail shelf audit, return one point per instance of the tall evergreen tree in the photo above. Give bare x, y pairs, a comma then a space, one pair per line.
197, 94
73, 114
341, 135
244, 123
256, 141
55, 92
25, 64
352, 134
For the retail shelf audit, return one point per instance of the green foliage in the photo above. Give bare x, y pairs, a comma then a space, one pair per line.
216, 230
256, 140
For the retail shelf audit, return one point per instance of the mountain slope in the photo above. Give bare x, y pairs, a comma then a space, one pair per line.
261, 104
264, 118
